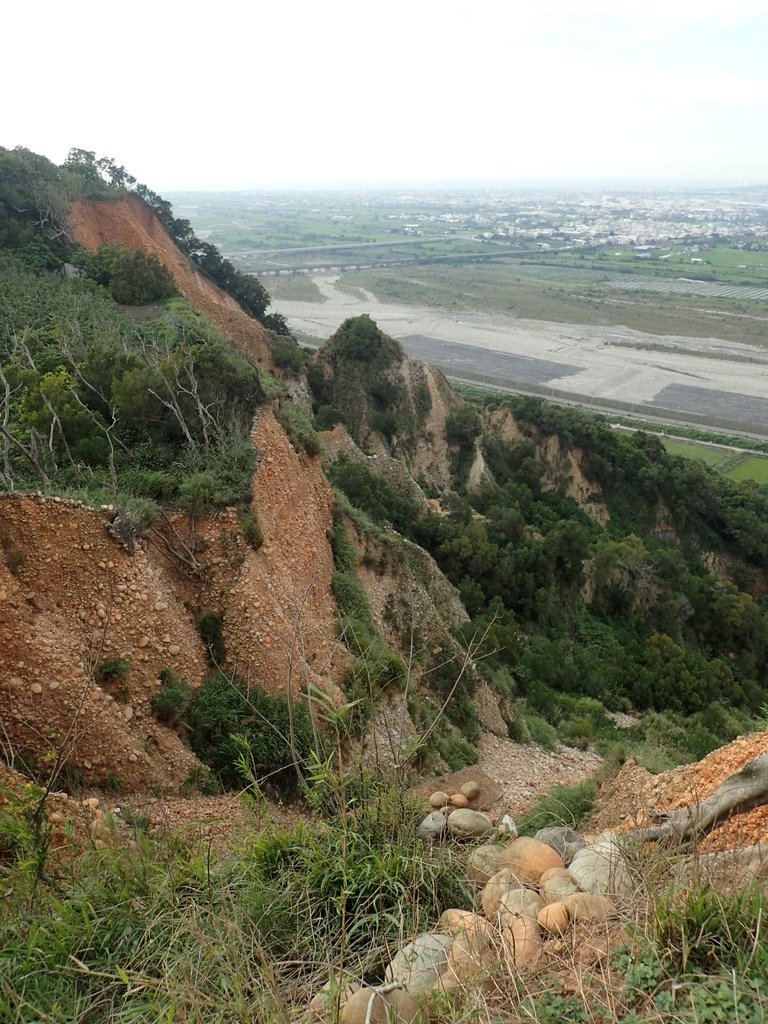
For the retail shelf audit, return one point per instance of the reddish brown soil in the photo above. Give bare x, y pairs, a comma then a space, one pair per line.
132, 223
634, 797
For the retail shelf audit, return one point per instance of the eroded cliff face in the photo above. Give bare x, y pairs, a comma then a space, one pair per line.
279, 610
430, 459
130, 222
72, 598
564, 468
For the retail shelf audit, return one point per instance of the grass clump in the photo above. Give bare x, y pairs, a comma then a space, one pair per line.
170, 703
112, 669
243, 733
560, 805
210, 626
251, 527
298, 426
353, 884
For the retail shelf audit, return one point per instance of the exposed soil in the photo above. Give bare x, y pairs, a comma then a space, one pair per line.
130, 222
634, 796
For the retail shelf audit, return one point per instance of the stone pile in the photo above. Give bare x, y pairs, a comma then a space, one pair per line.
532, 894
457, 815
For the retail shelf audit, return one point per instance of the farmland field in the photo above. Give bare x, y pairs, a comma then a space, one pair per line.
733, 464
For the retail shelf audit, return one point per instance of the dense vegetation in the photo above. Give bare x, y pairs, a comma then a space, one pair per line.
580, 618
35, 196
95, 404
357, 379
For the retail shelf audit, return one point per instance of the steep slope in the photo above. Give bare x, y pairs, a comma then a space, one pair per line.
279, 610
72, 599
130, 222
563, 468
393, 405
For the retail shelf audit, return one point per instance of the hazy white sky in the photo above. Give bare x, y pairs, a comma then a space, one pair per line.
237, 94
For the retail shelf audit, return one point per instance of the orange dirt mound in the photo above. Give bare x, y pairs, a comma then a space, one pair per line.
634, 797
130, 222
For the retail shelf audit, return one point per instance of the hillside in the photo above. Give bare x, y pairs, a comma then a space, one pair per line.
132, 223
331, 584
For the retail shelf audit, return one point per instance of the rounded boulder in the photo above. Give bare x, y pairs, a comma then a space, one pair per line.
556, 884
471, 790
520, 903
564, 841
432, 827
467, 824
530, 858
554, 918
419, 964
367, 1006
495, 889
485, 861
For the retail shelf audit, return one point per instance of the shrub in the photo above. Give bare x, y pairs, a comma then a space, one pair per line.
328, 416
237, 730
210, 627
171, 701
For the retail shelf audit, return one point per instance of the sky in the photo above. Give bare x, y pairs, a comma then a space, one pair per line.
238, 95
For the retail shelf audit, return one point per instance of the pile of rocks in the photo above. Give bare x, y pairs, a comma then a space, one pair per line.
460, 815
532, 892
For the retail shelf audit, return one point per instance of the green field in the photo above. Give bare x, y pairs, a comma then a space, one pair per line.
733, 464
726, 264
295, 288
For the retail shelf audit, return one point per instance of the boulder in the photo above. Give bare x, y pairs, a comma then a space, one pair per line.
463, 922
602, 868
485, 861
556, 884
439, 799
507, 826
419, 964
471, 790
589, 907
521, 940
554, 918
564, 841
520, 902
459, 800
529, 859
467, 824
432, 827
472, 950
495, 888
367, 1006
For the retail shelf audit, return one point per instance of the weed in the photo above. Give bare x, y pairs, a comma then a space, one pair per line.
210, 627
112, 669
251, 528
170, 703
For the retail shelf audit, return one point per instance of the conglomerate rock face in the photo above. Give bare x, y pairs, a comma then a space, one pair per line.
72, 599
279, 610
